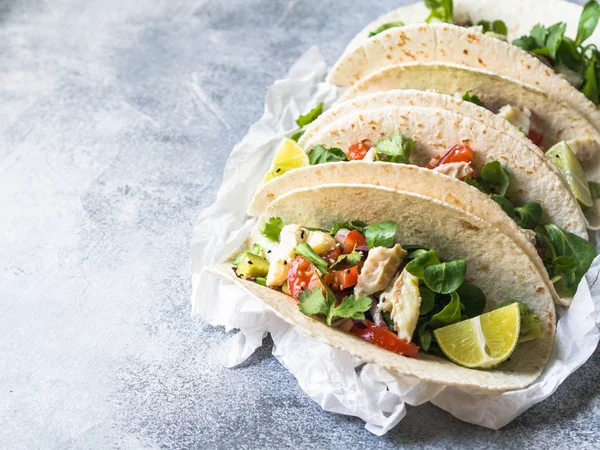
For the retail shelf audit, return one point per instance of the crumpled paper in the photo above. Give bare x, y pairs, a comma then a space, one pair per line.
333, 378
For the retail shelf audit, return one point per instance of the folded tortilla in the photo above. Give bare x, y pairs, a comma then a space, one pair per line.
495, 263
436, 123
402, 177
469, 47
556, 120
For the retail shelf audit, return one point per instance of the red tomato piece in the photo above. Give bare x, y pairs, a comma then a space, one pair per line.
383, 338
353, 239
458, 153
357, 151
535, 137
332, 256
338, 280
302, 274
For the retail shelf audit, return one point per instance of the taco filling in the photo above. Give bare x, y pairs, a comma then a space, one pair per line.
356, 278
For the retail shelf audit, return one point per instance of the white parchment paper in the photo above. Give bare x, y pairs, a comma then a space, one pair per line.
328, 375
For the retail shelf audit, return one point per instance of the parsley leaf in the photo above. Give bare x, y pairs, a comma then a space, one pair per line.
309, 117
396, 149
381, 234
386, 26
314, 302
319, 155
272, 228
440, 9
472, 98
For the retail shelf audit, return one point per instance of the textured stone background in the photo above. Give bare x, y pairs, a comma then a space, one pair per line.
116, 118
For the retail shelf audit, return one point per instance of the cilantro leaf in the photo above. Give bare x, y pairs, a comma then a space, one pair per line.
587, 21
313, 302
352, 225
352, 258
351, 306
472, 98
272, 228
309, 117
396, 149
306, 250
381, 234
386, 26
319, 155
440, 9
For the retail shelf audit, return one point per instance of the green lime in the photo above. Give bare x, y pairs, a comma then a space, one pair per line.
565, 160
484, 341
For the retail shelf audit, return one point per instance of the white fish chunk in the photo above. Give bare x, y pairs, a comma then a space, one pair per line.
379, 269
282, 256
403, 301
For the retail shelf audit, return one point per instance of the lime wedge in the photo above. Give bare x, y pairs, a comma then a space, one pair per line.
289, 156
565, 160
484, 341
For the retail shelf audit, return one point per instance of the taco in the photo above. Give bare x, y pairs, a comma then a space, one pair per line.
492, 172
405, 281
549, 93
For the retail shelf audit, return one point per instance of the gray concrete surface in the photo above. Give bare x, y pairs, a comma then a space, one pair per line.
116, 118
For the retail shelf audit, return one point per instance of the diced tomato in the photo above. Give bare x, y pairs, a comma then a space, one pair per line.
302, 274
339, 280
383, 338
357, 151
535, 137
353, 239
332, 256
458, 153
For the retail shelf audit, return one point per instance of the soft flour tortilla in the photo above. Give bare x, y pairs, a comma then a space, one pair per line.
436, 130
494, 262
519, 16
402, 177
556, 120
552, 117
442, 42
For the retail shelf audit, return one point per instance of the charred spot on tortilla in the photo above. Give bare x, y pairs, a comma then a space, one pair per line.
388, 56
481, 62
465, 51
468, 226
270, 196
471, 38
